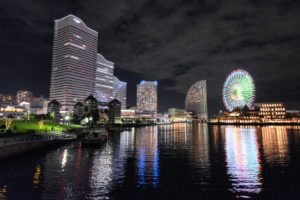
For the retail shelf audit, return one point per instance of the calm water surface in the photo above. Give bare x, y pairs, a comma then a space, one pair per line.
179, 161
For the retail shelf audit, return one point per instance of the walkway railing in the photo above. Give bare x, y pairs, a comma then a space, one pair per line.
35, 137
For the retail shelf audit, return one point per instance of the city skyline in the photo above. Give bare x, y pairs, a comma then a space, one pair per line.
268, 53
78, 70
149, 99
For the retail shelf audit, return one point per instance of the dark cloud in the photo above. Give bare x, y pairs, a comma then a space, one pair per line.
176, 42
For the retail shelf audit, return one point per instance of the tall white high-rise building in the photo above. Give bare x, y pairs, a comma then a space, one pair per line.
119, 92
146, 97
104, 79
73, 62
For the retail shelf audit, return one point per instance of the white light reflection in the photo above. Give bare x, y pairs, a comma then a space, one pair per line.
64, 158
243, 162
101, 175
126, 146
199, 151
76, 20
185, 133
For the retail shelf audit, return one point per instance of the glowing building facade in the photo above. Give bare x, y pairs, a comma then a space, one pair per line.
175, 114
24, 96
104, 79
6, 97
196, 100
73, 62
269, 111
12, 111
146, 98
119, 92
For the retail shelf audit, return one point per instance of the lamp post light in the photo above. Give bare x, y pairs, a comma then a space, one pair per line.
90, 121
67, 119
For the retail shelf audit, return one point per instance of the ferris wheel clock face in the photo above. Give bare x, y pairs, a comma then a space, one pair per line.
238, 90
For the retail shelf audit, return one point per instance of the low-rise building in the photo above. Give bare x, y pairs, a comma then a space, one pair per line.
6, 97
176, 114
79, 110
38, 101
271, 111
37, 105
12, 111
293, 113
239, 117
114, 112
90, 104
24, 96
128, 115
53, 109
91, 109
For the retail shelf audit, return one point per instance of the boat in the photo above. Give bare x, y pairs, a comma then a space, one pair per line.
95, 137
119, 128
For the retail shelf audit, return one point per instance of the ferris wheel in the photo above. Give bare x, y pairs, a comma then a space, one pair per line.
238, 90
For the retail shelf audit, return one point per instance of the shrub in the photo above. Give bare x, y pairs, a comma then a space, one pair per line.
9, 131
31, 131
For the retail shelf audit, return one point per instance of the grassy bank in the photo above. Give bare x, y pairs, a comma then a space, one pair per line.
22, 126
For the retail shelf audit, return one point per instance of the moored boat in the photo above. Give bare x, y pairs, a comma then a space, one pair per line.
95, 136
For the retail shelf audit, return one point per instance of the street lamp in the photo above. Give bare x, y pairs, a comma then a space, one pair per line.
90, 121
67, 118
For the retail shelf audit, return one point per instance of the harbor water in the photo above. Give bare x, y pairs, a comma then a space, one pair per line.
175, 161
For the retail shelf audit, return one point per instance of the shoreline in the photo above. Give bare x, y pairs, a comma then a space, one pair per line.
14, 150
255, 124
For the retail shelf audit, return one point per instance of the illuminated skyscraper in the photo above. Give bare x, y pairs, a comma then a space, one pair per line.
146, 97
73, 62
104, 79
119, 92
196, 100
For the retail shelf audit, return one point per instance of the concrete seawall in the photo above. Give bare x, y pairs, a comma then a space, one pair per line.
13, 150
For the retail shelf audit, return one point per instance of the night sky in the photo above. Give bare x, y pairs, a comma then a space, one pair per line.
176, 42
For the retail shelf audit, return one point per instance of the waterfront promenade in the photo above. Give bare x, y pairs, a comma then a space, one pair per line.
18, 145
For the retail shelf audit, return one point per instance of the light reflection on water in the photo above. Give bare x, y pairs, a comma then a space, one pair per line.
242, 158
3, 191
64, 158
101, 172
275, 144
147, 157
175, 161
37, 176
